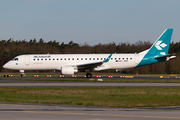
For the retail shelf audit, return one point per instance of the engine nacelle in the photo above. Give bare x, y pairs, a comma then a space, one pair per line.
68, 70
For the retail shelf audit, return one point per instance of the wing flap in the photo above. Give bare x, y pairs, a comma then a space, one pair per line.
89, 65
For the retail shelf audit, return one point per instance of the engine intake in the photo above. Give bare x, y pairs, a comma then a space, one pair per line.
68, 70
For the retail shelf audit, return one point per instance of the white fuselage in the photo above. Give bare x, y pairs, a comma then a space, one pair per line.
56, 61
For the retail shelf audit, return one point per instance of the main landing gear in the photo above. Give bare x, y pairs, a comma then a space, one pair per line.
88, 75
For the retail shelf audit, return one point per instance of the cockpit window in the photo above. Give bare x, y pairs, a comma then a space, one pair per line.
15, 59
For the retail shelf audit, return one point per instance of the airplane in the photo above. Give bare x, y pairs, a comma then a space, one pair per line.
70, 64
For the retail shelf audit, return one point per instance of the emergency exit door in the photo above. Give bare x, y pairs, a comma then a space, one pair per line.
137, 58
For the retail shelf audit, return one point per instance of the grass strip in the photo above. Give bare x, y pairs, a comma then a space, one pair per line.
104, 97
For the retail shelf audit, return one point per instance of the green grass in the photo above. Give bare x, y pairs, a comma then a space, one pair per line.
104, 97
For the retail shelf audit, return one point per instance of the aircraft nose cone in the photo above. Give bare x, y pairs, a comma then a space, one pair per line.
5, 66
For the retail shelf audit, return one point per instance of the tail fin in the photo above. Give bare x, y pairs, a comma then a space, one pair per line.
161, 46
158, 51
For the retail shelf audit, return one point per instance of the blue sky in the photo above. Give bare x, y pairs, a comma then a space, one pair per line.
89, 21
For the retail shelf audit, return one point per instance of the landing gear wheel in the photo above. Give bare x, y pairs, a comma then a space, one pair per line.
5, 75
22, 73
88, 75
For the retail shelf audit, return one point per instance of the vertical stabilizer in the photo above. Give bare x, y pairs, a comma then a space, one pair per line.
158, 51
161, 46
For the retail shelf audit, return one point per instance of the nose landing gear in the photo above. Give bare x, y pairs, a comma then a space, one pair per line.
22, 73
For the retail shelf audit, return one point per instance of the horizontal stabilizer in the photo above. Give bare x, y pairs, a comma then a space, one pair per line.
170, 56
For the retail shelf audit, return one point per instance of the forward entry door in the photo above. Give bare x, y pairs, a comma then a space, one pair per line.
27, 60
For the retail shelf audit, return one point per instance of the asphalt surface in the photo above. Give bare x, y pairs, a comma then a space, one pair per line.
89, 84
10, 111
13, 82
144, 77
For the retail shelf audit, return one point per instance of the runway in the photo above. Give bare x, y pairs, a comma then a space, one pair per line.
10, 111
144, 77
89, 84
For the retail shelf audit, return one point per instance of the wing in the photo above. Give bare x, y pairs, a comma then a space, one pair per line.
93, 65
89, 65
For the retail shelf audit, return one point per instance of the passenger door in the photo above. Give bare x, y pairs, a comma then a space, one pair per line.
27, 60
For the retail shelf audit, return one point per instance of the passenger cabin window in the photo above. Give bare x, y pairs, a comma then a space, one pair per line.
89, 58
33, 59
131, 58
81, 58
97, 58
68, 58
72, 58
85, 58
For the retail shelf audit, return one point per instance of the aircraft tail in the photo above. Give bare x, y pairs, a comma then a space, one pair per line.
158, 51
161, 46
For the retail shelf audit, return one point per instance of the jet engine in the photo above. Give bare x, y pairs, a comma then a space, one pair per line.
68, 70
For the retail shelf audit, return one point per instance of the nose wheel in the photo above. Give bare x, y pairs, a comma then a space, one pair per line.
22, 73
88, 75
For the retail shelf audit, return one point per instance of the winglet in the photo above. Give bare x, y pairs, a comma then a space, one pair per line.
106, 60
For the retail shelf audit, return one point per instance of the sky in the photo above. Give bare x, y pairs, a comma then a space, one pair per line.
89, 21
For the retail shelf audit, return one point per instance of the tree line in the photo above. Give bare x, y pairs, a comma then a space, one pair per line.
10, 48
